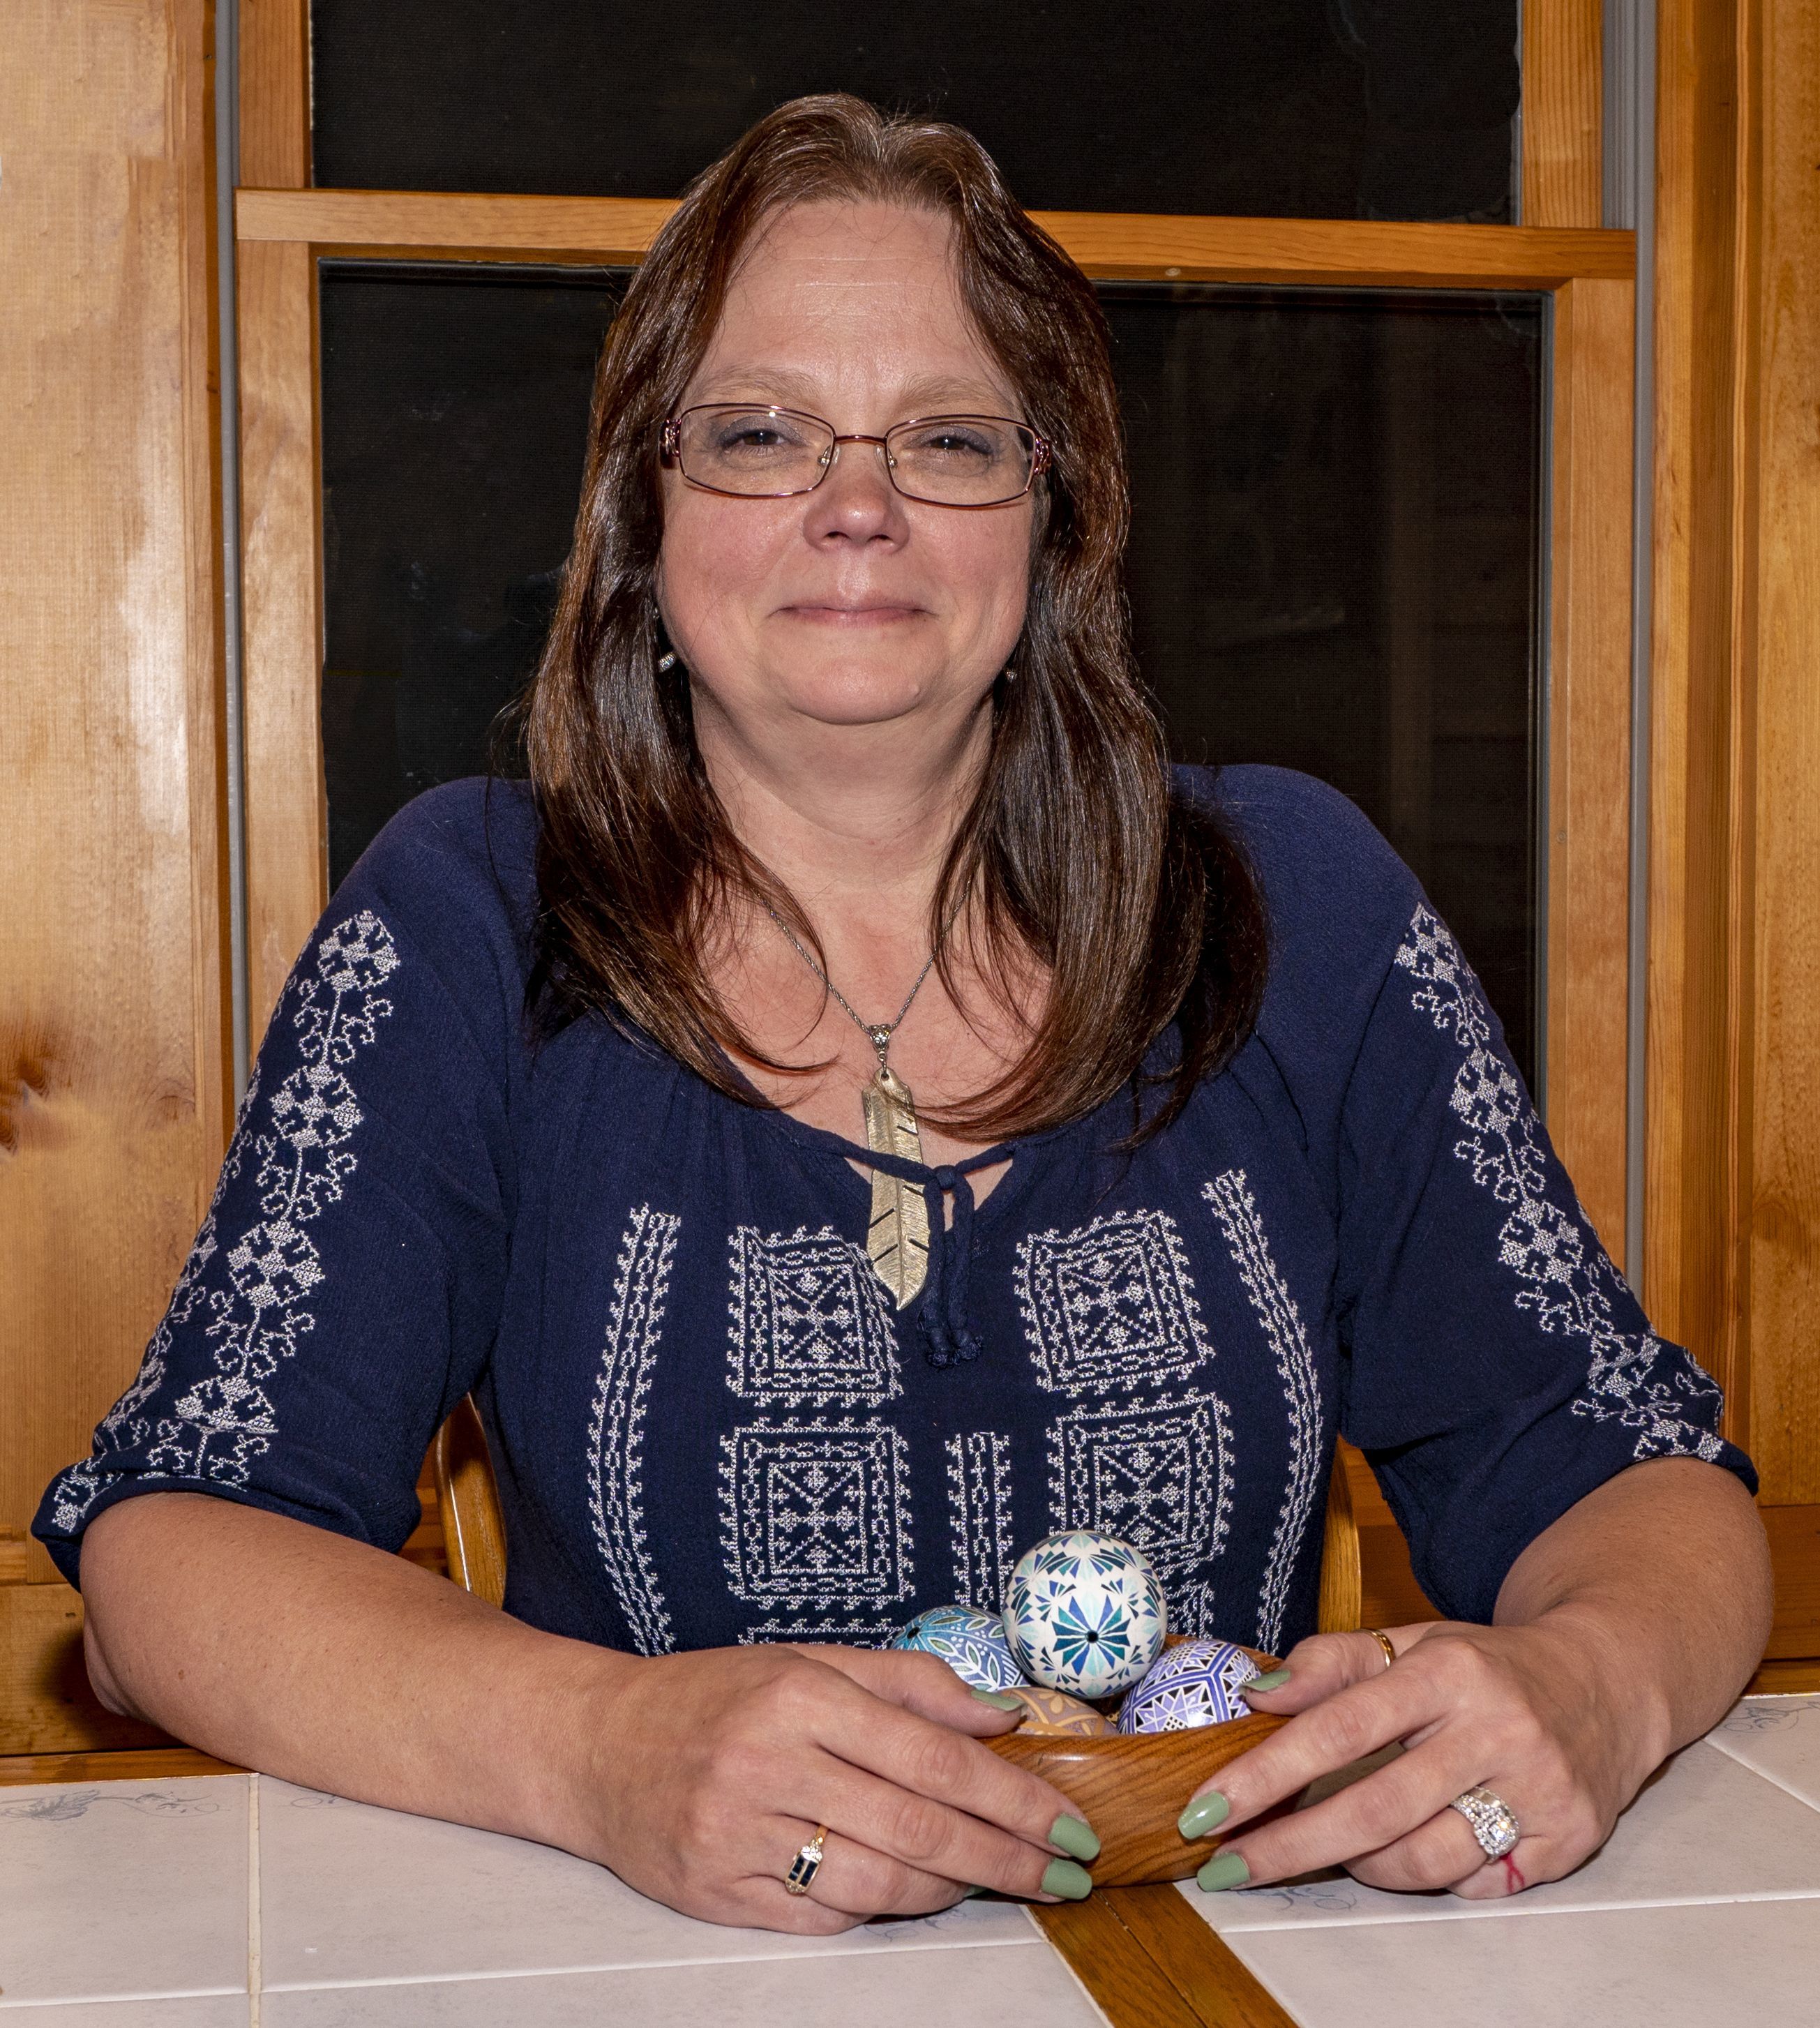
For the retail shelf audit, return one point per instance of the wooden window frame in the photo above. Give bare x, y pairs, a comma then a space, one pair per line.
282, 234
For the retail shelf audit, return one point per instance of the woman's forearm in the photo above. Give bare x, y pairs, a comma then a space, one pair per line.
297, 1651
1666, 1569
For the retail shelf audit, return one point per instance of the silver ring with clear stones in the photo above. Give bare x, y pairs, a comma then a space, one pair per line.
1494, 1822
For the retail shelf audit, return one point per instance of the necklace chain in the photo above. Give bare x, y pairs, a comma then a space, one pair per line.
878, 1033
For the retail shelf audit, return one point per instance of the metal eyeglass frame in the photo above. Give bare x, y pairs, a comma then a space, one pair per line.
670, 446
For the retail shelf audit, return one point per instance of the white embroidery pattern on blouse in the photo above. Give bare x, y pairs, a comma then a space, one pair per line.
1159, 1475
616, 1434
124, 1427
979, 1516
1566, 1282
810, 1324
816, 1515
1110, 1304
1234, 1207
223, 1422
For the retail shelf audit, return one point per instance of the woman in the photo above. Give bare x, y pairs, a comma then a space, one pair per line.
850, 1118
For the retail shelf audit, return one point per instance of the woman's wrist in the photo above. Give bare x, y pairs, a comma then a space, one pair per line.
1623, 1674
565, 1785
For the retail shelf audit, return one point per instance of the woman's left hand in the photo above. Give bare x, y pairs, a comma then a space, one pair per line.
1531, 1712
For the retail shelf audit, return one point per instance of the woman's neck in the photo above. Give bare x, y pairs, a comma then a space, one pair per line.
856, 821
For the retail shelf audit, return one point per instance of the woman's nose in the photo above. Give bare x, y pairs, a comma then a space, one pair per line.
856, 502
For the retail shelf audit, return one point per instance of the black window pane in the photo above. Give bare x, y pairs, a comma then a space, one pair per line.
1334, 564
1336, 519
1319, 108
454, 418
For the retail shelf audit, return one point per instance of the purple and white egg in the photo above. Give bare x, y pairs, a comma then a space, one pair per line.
1194, 1683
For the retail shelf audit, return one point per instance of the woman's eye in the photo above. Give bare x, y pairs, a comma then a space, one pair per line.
955, 446
754, 437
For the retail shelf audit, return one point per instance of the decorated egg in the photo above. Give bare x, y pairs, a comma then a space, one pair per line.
972, 1643
1084, 1613
1054, 1711
1194, 1683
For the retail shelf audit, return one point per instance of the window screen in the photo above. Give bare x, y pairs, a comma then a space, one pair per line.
1316, 108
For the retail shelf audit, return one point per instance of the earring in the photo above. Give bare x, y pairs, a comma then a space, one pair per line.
666, 661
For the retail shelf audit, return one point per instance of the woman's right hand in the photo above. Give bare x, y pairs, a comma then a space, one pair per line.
709, 1770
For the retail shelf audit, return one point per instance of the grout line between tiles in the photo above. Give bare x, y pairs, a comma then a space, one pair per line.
254, 1979
122, 1999
648, 1964
1502, 1910
1775, 1780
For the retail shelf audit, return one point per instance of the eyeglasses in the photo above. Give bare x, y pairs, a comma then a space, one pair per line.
757, 453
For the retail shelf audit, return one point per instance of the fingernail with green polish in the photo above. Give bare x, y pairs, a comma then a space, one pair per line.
1000, 1699
1067, 1880
1203, 1814
1275, 1680
1075, 1838
1224, 1870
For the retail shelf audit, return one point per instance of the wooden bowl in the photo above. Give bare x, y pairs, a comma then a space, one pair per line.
1132, 1788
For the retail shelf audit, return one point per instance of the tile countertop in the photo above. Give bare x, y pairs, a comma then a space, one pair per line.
172, 1903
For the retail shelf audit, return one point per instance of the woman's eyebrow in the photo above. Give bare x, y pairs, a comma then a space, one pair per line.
783, 387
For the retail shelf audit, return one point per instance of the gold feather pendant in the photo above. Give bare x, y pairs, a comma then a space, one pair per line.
898, 1238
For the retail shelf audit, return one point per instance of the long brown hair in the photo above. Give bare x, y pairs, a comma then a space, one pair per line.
1142, 908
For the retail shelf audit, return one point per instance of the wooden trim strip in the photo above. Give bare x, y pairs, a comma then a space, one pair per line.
274, 57
281, 608
1149, 1961
1347, 253
1563, 112
1124, 1981
1216, 1982
1589, 817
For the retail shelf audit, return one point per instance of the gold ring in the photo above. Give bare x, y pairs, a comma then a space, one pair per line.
807, 1864
1383, 1641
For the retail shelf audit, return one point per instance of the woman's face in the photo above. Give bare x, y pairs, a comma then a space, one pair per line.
850, 605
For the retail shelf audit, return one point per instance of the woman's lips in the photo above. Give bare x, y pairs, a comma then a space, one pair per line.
852, 615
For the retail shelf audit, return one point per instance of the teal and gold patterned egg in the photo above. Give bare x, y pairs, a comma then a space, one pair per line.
972, 1643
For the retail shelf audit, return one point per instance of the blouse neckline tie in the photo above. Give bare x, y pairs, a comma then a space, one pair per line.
948, 1336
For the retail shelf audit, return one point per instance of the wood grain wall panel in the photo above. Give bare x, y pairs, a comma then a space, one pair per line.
1588, 814
1783, 1266
275, 101
281, 615
114, 1082
1563, 112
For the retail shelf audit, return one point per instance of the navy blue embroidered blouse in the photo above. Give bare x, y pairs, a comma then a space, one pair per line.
710, 1425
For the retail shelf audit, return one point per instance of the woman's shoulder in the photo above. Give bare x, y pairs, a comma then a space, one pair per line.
1316, 854
1339, 900
452, 877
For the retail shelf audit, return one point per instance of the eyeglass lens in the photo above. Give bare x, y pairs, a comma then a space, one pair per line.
953, 461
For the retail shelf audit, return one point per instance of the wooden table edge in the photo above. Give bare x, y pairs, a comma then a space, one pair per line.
148, 1764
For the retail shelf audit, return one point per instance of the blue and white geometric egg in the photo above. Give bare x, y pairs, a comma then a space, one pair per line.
1194, 1683
1084, 1613
972, 1643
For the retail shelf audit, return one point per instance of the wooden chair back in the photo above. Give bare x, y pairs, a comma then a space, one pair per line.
474, 1535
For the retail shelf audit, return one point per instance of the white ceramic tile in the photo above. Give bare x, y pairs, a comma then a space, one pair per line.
115, 1890
1708, 1828
347, 1892
917, 1988
1779, 1736
219, 2010
1687, 1968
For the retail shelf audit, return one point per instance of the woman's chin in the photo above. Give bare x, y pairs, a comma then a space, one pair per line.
856, 698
